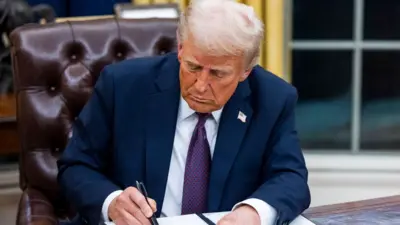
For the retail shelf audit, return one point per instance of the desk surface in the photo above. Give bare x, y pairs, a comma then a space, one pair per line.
9, 144
367, 212
7, 106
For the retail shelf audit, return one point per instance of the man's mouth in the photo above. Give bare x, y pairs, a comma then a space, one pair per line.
198, 99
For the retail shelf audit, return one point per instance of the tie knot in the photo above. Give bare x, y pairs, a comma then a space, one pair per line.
202, 118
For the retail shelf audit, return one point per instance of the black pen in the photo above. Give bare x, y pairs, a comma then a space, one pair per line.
140, 186
205, 219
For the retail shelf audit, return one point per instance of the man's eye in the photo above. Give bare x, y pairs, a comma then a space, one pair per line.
194, 68
218, 74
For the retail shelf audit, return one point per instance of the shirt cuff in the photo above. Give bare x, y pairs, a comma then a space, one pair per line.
106, 204
266, 212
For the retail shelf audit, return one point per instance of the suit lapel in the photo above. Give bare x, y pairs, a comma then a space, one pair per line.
231, 132
161, 113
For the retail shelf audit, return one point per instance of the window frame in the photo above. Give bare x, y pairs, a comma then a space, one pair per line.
357, 45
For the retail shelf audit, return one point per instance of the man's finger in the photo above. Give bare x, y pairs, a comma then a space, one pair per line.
228, 219
120, 221
138, 214
224, 221
141, 202
129, 219
153, 204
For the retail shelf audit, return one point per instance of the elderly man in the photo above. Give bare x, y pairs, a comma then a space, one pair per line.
205, 129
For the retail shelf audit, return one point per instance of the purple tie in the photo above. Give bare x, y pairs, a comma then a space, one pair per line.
197, 170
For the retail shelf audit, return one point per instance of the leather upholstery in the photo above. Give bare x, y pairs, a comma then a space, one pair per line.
55, 67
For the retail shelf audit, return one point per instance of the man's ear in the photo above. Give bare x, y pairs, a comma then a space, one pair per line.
245, 75
180, 51
179, 46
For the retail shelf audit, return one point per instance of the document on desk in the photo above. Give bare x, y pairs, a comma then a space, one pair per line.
193, 219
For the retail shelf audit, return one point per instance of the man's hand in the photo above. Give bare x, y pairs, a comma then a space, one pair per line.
131, 208
243, 215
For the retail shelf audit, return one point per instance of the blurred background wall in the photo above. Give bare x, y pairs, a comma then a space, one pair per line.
343, 56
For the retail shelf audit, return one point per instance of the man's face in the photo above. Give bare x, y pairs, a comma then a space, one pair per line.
207, 82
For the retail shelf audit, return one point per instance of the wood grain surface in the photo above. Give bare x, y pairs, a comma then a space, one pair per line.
7, 105
9, 144
380, 211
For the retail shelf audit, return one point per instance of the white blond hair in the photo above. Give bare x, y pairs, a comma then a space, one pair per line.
223, 27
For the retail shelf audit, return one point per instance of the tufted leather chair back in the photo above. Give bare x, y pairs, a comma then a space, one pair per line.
55, 67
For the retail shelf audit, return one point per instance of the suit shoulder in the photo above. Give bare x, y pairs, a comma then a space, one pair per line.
133, 69
268, 84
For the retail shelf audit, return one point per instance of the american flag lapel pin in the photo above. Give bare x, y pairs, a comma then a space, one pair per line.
242, 117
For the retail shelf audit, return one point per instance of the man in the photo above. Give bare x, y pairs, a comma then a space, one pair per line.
205, 129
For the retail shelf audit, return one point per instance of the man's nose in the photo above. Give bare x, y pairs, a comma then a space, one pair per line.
202, 81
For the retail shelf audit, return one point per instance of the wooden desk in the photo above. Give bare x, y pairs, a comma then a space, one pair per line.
367, 212
7, 106
9, 144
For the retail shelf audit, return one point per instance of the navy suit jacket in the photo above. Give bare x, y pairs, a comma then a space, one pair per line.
126, 130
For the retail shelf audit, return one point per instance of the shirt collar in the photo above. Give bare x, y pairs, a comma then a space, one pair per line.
185, 111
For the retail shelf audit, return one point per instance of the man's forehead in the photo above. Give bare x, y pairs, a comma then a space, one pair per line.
210, 62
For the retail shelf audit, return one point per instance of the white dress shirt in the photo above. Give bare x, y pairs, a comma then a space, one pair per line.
186, 122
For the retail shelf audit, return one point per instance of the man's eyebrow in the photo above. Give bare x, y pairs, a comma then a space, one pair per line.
191, 62
222, 69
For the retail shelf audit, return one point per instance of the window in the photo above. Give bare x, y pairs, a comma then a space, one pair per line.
310, 19
382, 20
323, 81
380, 112
345, 64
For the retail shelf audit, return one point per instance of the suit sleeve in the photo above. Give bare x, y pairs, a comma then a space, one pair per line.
82, 167
284, 171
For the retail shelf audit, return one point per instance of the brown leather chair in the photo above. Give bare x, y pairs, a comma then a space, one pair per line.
55, 67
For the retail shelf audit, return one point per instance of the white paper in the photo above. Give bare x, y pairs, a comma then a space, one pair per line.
190, 219
215, 217
300, 220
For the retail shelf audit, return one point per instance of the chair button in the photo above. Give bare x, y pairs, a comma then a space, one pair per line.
52, 88
73, 57
119, 54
